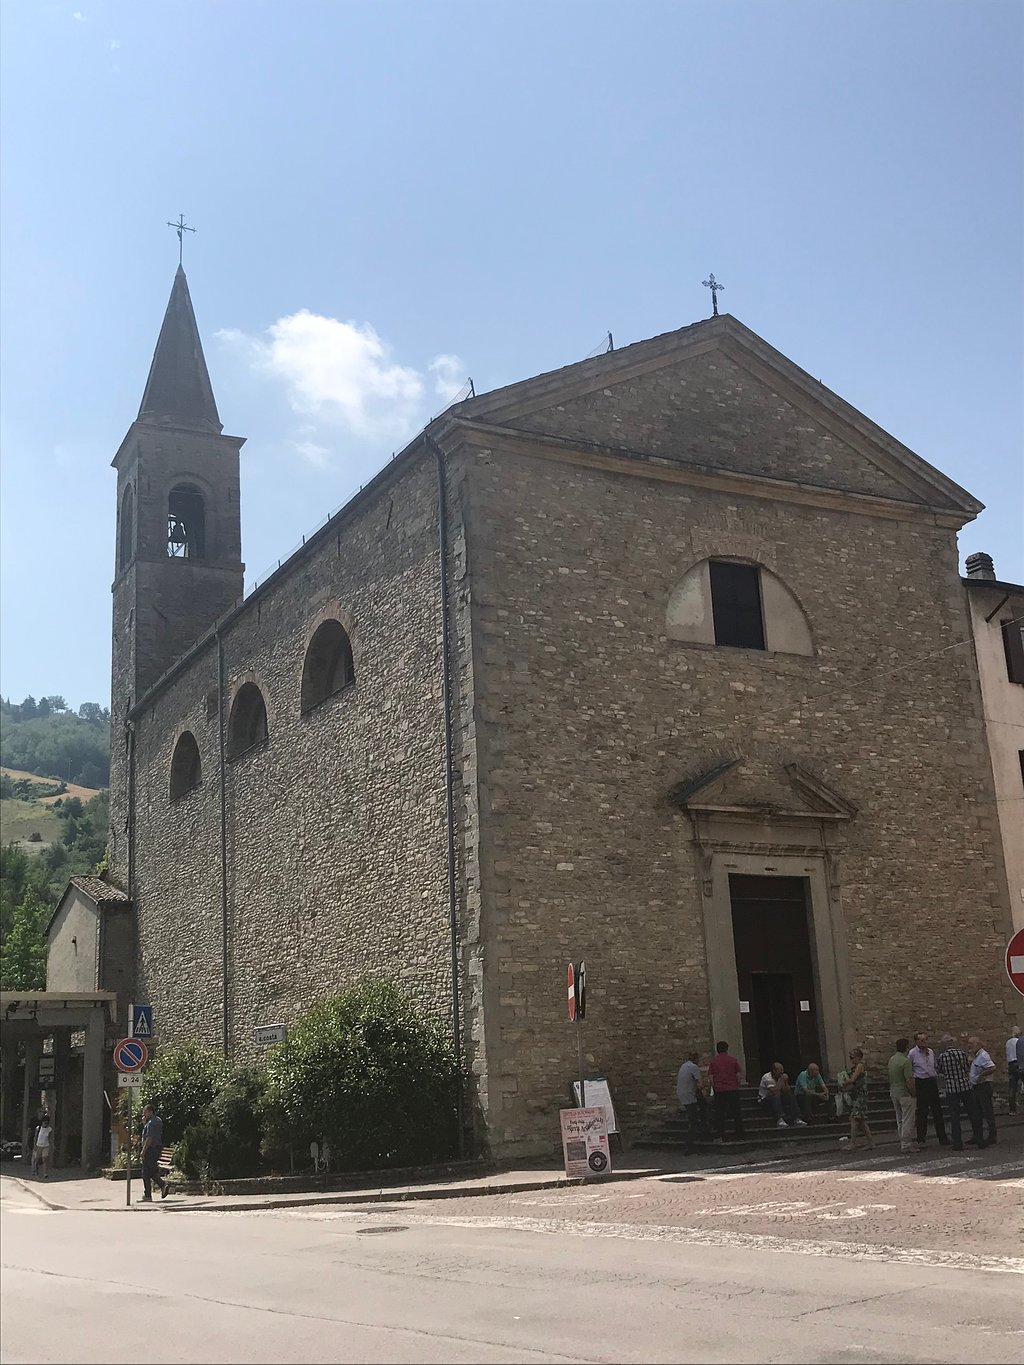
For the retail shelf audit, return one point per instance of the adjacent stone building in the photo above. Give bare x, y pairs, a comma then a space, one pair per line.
657, 661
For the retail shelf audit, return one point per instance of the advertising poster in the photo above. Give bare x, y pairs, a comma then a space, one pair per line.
585, 1142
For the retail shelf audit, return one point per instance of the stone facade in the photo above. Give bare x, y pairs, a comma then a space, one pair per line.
611, 766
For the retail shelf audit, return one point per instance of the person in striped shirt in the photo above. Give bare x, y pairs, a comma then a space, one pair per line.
954, 1066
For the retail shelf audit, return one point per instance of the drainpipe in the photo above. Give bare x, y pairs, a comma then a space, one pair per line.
226, 1039
449, 780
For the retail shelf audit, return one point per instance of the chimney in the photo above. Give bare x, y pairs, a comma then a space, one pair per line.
981, 566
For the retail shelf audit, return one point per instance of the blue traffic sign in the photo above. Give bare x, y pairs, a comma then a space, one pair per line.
131, 1054
140, 1021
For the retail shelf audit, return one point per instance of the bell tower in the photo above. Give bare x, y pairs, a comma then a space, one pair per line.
178, 565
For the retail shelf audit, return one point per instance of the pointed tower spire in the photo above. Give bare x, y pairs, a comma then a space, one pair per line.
178, 390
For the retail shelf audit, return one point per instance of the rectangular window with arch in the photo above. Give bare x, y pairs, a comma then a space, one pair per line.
736, 604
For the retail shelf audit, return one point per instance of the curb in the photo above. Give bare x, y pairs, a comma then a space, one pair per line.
379, 1196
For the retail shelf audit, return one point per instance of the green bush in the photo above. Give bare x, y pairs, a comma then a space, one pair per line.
224, 1144
181, 1085
369, 1074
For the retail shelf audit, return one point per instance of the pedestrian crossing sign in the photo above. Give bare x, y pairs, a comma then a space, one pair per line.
140, 1021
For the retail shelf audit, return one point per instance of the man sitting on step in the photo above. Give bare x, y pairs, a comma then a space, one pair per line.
774, 1093
812, 1093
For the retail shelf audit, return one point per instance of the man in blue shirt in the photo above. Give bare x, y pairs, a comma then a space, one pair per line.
152, 1147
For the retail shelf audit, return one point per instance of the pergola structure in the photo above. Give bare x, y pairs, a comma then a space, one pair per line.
30, 1018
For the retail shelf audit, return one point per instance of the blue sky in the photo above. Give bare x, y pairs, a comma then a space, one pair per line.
392, 196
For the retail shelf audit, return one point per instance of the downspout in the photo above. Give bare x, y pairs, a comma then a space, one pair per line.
449, 781
226, 1039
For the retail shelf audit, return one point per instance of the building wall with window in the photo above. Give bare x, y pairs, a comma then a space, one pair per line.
334, 810
706, 716
603, 695
997, 623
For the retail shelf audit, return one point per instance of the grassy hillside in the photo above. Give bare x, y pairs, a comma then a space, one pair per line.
20, 819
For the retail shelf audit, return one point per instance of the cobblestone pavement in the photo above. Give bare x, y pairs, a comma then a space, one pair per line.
964, 1210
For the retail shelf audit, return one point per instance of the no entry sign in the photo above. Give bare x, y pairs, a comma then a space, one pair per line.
131, 1054
1015, 961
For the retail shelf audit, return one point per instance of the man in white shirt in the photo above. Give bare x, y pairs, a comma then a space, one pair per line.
688, 1090
926, 1090
774, 1093
1014, 1077
982, 1070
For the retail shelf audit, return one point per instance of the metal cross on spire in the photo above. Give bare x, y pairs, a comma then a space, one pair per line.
712, 284
181, 226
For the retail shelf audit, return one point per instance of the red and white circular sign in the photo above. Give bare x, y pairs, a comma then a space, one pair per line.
1015, 961
572, 994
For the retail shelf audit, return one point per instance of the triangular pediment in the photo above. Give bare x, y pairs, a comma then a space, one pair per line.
748, 788
717, 398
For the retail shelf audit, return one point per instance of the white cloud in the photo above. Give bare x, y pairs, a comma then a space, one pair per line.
342, 376
115, 43
449, 376
79, 17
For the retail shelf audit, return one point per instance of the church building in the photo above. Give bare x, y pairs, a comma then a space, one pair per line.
661, 660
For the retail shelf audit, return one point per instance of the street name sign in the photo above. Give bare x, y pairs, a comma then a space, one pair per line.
266, 1035
129, 1078
131, 1054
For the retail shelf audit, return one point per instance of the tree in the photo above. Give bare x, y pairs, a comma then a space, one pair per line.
23, 953
57, 704
44, 708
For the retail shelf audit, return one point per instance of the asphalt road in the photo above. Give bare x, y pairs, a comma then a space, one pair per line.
864, 1260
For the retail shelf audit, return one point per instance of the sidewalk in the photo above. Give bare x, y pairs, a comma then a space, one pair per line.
70, 1191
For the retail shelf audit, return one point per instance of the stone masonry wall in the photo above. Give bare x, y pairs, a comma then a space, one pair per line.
587, 714
336, 824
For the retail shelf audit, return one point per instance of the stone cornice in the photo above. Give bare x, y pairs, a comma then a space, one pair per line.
637, 464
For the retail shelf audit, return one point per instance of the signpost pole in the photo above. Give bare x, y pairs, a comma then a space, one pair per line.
128, 1182
579, 1053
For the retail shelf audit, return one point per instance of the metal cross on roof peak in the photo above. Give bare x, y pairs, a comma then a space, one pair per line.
181, 226
712, 284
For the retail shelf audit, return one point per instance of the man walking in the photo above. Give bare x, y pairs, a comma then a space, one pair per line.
901, 1092
152, 1146
954, 1066
926, 1090
725, 1074
1015, 1077
688, 1084
982, 1071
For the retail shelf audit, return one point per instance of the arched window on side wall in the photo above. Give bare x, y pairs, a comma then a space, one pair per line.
737, 604
186, 523
247, 724
186, 766
328, 665
126, 530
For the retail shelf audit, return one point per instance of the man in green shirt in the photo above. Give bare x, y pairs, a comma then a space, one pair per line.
901, 1092
811, 1093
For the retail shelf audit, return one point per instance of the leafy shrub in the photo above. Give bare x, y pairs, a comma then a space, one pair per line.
181, 1085
372, 1076
224, 1143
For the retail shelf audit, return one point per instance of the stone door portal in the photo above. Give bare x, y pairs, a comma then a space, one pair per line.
775, 973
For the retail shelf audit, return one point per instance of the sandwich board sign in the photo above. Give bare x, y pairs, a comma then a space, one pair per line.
599, 1096
585, 1143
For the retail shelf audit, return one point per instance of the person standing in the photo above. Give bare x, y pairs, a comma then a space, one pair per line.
1014, 1075
688, 1084
981, 1073
152, 1146
42, 1145
857, 1089
901, 1092
926, 1090
726, 1075
954, 1066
